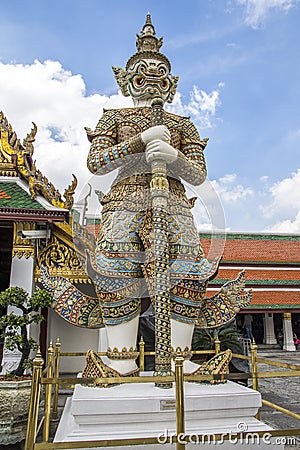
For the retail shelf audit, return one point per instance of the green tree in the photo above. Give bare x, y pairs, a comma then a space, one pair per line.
14, 326
204, 339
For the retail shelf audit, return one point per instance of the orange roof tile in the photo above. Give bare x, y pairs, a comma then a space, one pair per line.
260, 250
268, 298
4, 194
260, 274
273, 298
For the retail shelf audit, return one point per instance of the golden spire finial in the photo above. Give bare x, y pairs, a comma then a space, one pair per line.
147, 41
148, 19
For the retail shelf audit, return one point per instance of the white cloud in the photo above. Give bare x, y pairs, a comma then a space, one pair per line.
286, 226
284, 206
257, 10
264, 179
230, 190
285, 196
56, 101
201, 106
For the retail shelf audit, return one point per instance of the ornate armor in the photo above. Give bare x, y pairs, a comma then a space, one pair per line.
124, 249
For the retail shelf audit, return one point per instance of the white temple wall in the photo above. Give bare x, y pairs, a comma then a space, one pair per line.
73, 339
22, 273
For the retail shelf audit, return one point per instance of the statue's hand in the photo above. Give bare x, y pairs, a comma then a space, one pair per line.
158, 132
158, 149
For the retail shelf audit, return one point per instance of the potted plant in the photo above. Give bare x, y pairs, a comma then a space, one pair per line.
15, 386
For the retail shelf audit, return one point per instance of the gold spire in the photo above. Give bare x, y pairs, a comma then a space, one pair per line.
148, 44
147, 40
148, 19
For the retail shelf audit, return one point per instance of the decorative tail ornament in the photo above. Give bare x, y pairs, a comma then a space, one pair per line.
223, 307
71, 304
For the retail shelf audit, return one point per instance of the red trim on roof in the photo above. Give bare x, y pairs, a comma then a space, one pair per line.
34, 215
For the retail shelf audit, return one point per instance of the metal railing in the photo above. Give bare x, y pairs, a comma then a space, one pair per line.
52, 382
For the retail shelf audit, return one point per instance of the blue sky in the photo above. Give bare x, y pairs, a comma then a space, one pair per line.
239, 68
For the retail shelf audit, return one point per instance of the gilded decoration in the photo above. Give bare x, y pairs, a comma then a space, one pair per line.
60, 259
125, 353
22, 247
16, 160
217, 365
95, 368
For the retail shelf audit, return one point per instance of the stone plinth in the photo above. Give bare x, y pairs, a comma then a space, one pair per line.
143, 410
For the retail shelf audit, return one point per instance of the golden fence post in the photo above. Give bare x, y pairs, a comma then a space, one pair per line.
217, 345
50, 359
254, 366
34, 401
179, 384
56, 375
142, 354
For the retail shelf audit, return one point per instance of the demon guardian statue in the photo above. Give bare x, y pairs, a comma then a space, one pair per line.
148, 244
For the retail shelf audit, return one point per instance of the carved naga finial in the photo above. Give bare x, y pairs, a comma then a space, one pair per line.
30, 138
69, 193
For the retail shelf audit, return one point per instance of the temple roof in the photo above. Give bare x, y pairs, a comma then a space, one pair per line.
13, 196
272, 263
18, 169
17, 204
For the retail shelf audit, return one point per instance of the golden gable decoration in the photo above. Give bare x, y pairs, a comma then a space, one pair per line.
21, 246
60, 259
16, 160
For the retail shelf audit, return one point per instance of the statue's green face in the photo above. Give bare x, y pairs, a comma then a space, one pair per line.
149, 78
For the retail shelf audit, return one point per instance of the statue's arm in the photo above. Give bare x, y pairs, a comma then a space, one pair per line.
106, 153
190, 164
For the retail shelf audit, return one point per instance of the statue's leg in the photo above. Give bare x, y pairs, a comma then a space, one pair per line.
118, 284
122, 336
120, 315
181, 338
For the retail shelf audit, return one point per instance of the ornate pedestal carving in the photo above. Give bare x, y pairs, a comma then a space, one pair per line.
14, 404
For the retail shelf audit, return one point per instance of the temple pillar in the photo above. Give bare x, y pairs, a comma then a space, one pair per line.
288, 341
269, 332
22, 273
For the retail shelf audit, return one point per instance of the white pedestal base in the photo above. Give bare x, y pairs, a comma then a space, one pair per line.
142, 410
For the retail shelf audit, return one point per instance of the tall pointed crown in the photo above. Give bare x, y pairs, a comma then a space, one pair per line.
148, 45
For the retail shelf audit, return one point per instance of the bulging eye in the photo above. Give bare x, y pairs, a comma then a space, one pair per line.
138, 81
162, 69
164, 84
